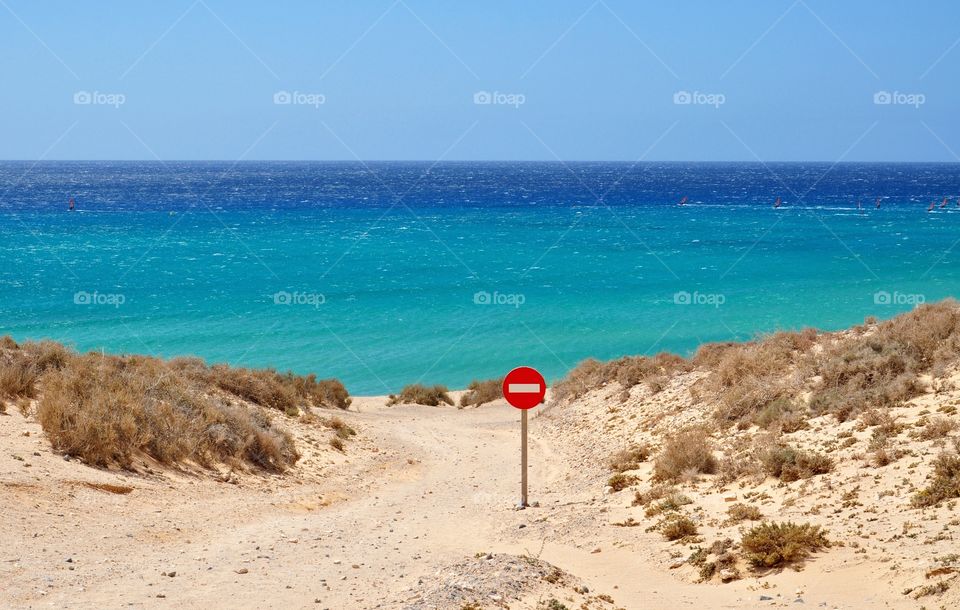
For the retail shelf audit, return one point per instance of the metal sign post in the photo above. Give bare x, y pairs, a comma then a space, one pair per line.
523, 459
524, 388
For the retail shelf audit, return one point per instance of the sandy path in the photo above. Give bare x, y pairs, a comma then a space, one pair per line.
441, 488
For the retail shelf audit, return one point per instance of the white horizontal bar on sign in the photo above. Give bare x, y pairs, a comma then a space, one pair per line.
523, 388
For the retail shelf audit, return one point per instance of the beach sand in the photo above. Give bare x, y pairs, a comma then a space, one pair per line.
419, 512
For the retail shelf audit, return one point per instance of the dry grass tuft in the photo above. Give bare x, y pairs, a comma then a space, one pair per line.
620, 481
656, 492
418, 394
628, 371
946, 480
121, 490
879, 369
629, 458
285, 392
774, 544
481, 392
22, 365
108, 409
669, 504
743, 512
749, 377
684, 456
790, 464
677, 527
936, 428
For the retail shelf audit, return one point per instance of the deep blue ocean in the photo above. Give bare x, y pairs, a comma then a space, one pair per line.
385, 273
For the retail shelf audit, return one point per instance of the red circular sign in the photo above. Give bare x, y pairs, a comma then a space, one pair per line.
524, 387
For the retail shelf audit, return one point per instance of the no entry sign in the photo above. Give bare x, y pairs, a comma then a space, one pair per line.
524, 387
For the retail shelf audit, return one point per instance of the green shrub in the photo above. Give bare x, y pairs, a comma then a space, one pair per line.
773, 544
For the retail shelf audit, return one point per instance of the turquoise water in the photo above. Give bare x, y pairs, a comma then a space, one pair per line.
371, 273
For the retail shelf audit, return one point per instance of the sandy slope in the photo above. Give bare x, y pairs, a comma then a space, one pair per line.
419, 491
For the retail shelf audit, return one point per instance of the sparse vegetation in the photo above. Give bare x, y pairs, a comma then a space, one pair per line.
481, 392
107, 409
790, 464
418, 394
685, 455
669, 504
879, 369
620, 481
284, 392
628, 371
676, 527
743, 512
22, 366
656, 492
629, 458
946, 480
774, 544
937, 427
748, 377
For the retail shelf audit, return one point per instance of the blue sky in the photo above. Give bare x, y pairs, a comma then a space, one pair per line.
397, 79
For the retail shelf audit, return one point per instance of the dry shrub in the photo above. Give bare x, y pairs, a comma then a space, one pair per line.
735, 467
743, 512
946, 480
669, 504
629, 458
685, 455
628, 371
781, 415
285, 392
481, 392
937, 427
790, 464
749, 376
881, 450
656, 492
22, 365
880, 369
773, 544
676, 527
620, 481
107, 409
884, 423
340, 427
419, 394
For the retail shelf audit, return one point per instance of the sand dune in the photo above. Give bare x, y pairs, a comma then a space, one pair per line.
418, 512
